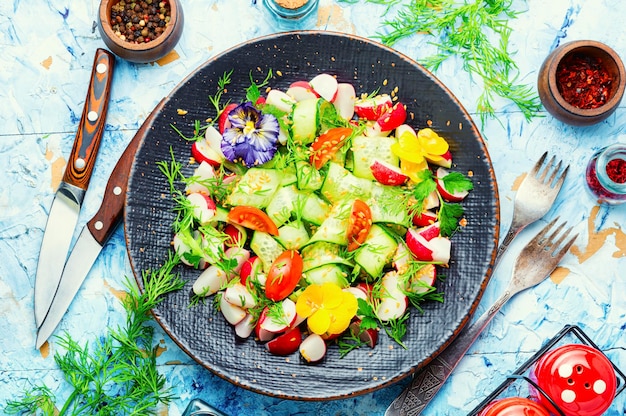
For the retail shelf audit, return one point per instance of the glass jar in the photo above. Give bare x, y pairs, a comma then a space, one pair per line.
289, 15
606, 174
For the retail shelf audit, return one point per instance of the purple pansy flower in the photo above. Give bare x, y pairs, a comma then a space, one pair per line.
252, 137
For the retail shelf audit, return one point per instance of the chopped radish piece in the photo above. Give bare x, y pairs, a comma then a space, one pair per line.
357, 292
387, 174
210, 281
424, 218
202, 151
237, 235
402, 258
222, 122
405, 128
441, 187
431, 201
372, 108
325, 85
393, 302
280, 100
233, 313
430, 231
214, 139
313, 348
423, 279
393, 118
436, 249
203, 207
241, 255
250, 269
344, 101
287, 343
203, 174
239, 295
181, 249
277, 324
369, 335
301, 90
245, 327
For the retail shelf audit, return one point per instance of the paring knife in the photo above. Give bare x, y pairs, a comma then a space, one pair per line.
69, 196
94, 234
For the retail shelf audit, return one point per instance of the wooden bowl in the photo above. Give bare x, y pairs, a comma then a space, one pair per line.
141, 52
558, 106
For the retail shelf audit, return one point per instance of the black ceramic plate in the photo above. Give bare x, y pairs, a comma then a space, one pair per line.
205, 335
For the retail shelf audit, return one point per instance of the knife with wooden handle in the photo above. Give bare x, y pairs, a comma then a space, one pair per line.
95, 233
69, 196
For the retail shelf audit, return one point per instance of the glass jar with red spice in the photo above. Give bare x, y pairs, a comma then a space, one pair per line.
606, 174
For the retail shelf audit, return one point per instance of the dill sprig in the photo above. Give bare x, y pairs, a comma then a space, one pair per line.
476, 31
116, 374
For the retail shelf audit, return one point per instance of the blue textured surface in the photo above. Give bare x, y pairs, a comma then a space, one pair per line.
44, 70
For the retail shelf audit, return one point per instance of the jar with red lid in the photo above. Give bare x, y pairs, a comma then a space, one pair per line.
606, 174
579, 379
514, 406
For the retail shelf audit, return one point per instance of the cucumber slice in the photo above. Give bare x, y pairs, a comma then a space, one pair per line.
333, 229
305, 120
315, 210
366, 149
293, 235
322, 253
309, 178
340, 184
387, 206
256, 188
328, 273
283, 204
266, 248
376, 252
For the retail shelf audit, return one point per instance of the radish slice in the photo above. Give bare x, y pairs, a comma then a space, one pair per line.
239, 295
387, 174
210, 281
203, 207
369, 336
233, 313
245, 327
441, 187
344, 102
325, 85
374, 107
425, 277
280, 100
301, 90
313, 348
203, 173
285, 344
280, 323
240, 254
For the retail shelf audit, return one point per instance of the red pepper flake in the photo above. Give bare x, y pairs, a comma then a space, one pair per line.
616, 170
583, 81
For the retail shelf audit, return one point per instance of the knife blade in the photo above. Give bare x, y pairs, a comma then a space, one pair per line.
94, 234
69, 196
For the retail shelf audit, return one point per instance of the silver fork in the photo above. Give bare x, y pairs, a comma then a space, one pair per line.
534, 198
535, 262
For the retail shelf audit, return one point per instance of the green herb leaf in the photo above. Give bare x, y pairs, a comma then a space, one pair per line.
457, 182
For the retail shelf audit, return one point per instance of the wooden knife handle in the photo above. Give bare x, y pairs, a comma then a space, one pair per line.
103, 223
83, 156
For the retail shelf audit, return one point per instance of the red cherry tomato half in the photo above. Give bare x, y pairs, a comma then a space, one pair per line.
252, 218
514, 406
327, 144
580, 380
284, 275
359, 224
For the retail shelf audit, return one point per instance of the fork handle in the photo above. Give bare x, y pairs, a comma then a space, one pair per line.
506, 242
429, 379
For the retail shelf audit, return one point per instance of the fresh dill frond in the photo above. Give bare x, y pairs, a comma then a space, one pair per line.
477, 32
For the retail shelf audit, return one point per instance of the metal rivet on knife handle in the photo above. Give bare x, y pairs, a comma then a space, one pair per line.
92, 124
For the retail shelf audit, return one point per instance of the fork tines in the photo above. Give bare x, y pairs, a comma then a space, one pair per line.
549, 244
538, 167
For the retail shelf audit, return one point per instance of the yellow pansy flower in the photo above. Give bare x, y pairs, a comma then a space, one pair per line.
327, 307
415, 151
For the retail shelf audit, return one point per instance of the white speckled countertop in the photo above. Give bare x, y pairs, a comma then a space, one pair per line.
47, 51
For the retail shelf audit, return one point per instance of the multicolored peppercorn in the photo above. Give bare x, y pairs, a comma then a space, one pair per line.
140, 21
